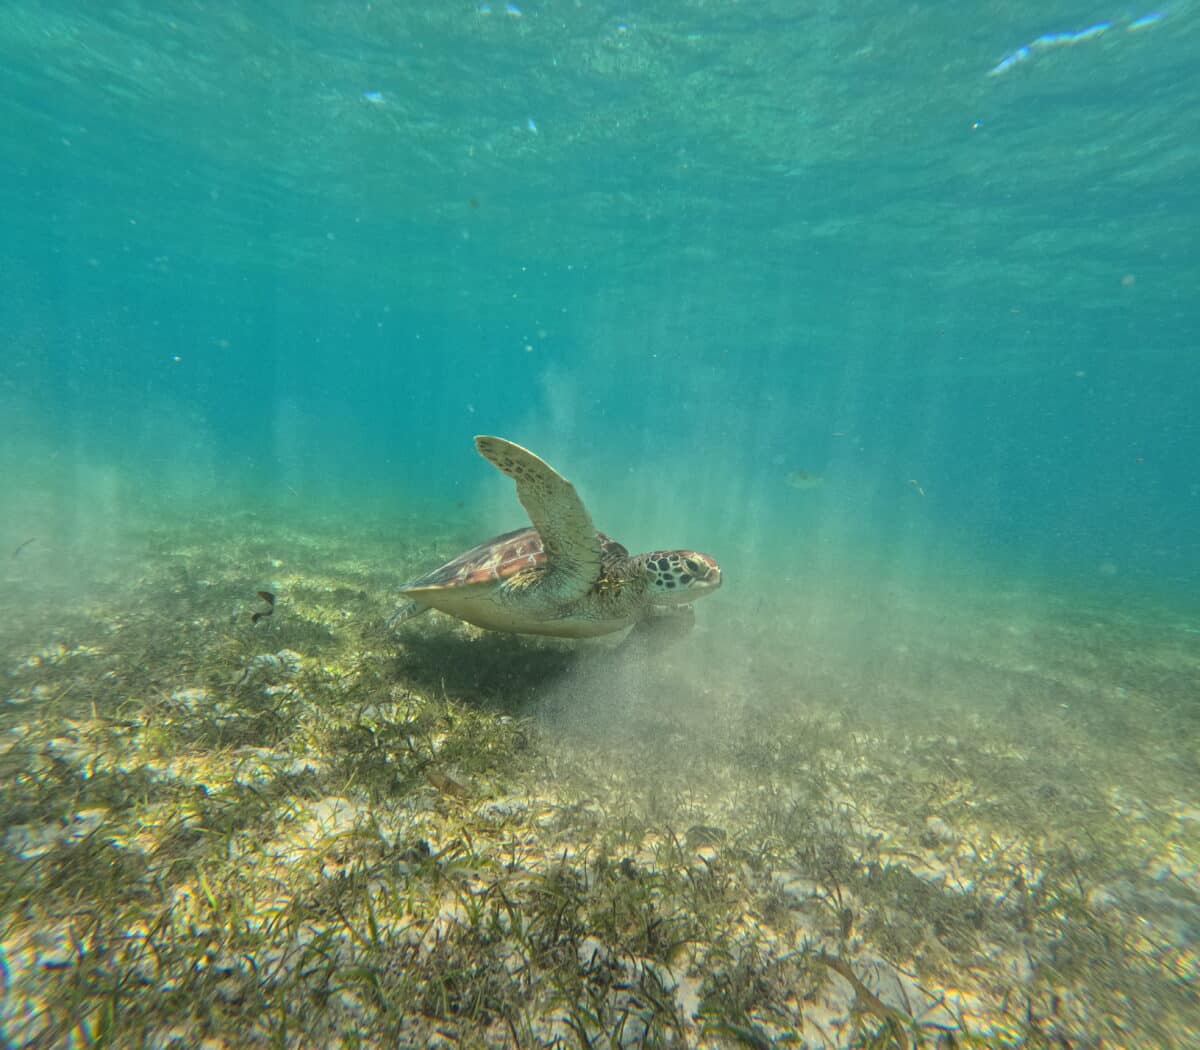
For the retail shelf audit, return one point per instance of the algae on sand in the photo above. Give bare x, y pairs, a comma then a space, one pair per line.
213, 827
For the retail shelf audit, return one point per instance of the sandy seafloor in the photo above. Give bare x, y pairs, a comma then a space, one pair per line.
854, 816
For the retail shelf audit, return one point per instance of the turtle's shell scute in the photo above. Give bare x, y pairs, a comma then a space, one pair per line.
499, 559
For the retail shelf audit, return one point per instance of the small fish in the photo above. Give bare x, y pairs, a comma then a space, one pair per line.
269, 598
22, 546
447, 785
802, 479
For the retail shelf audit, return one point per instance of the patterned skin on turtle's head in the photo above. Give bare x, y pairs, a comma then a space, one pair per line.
677, 577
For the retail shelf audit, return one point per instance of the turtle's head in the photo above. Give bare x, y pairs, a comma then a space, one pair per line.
677, 577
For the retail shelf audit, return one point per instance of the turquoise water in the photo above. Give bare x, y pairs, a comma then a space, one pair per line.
320, 247
892, 308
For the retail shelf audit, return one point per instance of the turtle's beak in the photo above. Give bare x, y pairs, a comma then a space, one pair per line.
709, 574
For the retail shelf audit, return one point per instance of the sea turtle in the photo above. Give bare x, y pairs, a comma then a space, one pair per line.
560, 577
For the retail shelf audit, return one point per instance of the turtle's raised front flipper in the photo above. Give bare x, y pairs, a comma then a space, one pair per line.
568, 536
406, 611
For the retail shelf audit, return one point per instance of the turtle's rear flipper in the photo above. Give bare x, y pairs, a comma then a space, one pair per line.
663, 626
406, 611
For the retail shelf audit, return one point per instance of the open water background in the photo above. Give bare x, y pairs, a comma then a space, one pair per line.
295, 256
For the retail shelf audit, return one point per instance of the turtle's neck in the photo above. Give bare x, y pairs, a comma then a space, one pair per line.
622, 583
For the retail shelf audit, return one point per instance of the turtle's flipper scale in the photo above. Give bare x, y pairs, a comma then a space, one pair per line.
568, 536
